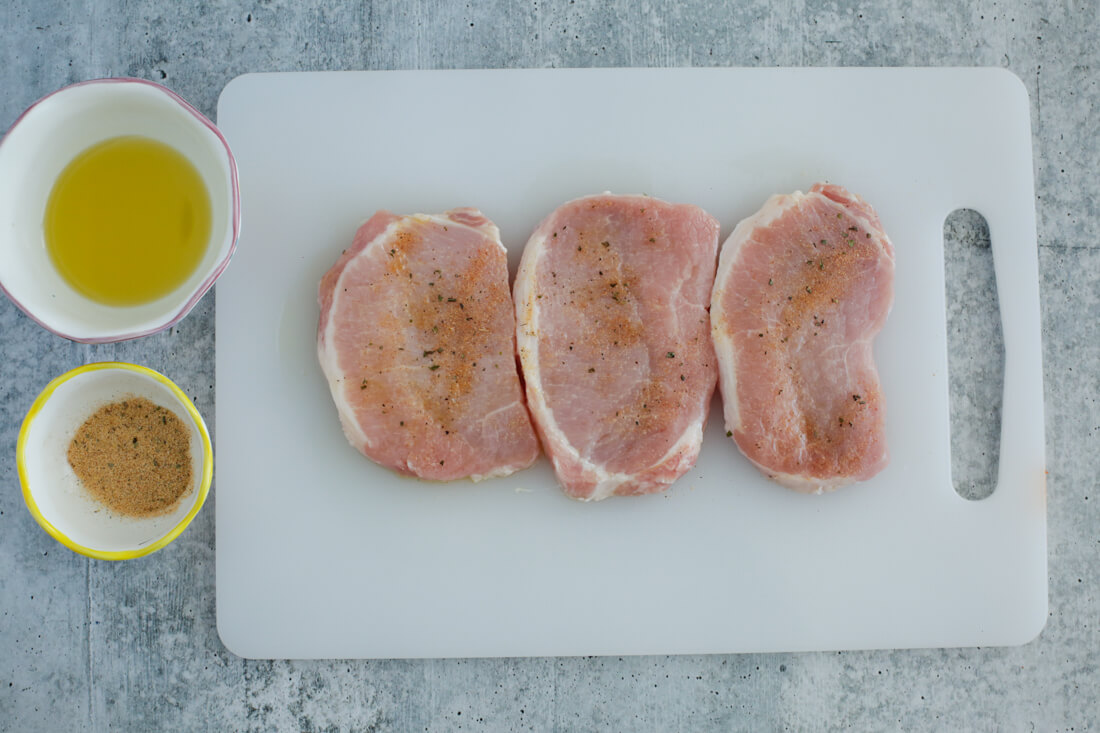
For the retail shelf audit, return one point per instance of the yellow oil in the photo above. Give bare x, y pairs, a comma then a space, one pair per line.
127, 221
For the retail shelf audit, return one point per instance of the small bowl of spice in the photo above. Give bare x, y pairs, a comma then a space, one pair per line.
120, 207
114, 459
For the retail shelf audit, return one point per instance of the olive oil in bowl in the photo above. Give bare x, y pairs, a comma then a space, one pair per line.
128, 221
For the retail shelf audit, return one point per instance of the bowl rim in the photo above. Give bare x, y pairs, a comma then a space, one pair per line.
235, 217
28, 494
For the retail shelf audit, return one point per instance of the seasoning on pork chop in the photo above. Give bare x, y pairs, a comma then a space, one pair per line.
803, 287
417, 341
614, 342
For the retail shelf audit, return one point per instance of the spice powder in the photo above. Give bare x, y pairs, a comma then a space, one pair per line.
134, 457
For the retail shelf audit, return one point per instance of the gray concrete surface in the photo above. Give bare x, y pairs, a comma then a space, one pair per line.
88, 645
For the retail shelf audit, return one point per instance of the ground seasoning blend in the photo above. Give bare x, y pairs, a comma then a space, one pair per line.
134, 457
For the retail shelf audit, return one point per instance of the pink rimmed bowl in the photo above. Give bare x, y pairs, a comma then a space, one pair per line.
36, 149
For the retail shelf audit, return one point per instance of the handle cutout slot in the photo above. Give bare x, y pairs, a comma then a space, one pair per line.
975, 354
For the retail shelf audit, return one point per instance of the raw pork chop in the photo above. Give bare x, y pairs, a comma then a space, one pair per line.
803, 286
611, 314
417, 341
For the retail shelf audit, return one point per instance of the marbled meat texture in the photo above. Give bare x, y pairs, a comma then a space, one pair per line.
803, 287
417, 341
613, 333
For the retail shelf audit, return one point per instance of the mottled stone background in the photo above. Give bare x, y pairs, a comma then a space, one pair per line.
133, 646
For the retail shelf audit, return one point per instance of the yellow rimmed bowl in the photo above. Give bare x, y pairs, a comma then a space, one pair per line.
52, 491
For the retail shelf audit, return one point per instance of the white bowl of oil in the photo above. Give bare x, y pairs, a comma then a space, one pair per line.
52, 489
119, 208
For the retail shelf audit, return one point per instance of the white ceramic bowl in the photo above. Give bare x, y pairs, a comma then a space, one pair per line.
37, 148
52, 491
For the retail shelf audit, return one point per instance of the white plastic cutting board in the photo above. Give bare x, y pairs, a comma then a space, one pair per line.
320, 553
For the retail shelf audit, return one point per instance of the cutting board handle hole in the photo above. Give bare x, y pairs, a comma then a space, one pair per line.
975, 354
